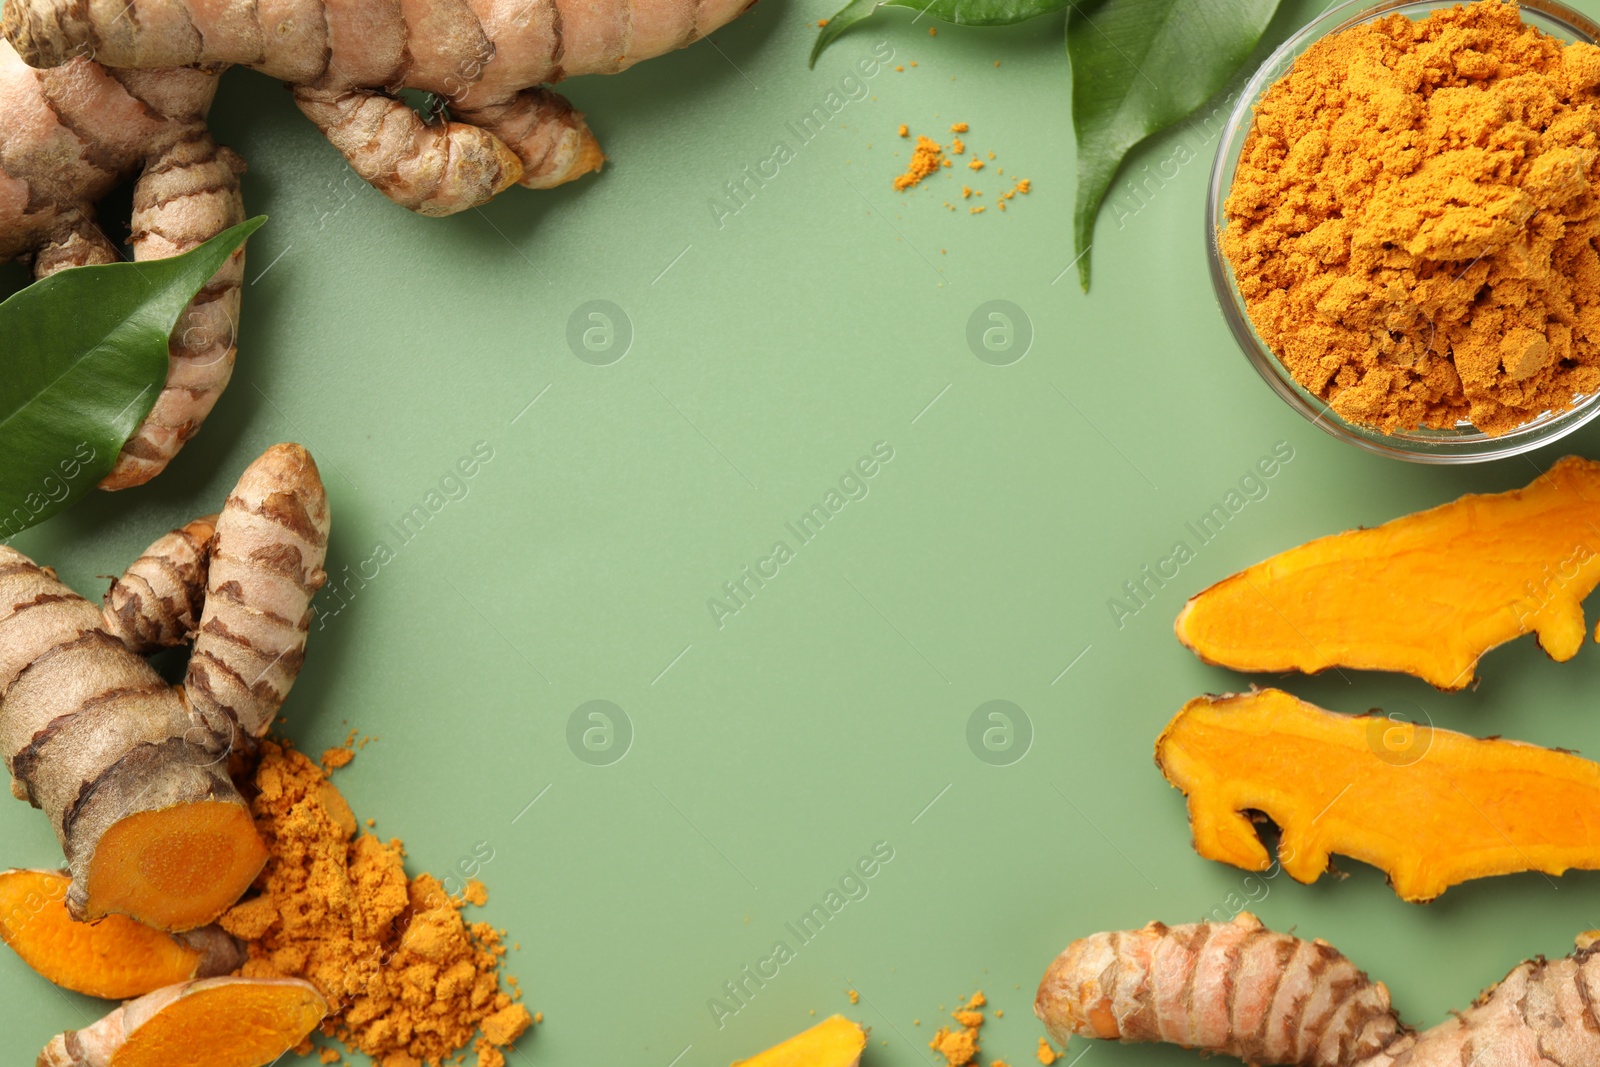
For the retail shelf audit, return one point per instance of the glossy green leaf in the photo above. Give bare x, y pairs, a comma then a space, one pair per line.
960, 12
1138, 66
85, 356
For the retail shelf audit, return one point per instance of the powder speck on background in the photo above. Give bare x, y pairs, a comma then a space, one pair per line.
1413, 218
409, 981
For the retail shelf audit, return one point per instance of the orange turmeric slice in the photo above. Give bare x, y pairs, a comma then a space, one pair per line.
115, 958
1427, 594
834, 1042
1428, 807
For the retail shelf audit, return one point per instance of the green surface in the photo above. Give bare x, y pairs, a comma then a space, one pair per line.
831, 712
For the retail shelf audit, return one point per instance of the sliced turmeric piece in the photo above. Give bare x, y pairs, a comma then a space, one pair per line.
1428, 807
215, 1022
834, 1042
1427, 594
115, 958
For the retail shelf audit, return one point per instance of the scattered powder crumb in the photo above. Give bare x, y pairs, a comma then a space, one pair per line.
959, 1047
991, 155
336, 757
933, 31
905, 131
913, 62
476, 893
821, 23
855, 998
371, 823
999, 1013
997, 62
958, 146
899, 69
960, 127
1047, 1055
924, 161
966, 192
409, 981
977, 210
538, 1018
328, 1055
976, 164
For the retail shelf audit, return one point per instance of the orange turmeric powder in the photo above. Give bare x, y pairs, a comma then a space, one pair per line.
408, 980
1412, 221
926, 158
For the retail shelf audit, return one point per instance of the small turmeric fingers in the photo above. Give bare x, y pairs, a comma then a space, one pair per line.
834, 1042
213, 1022
346, 60
71, 134
156, 602
1427, 594
266, 565
1234, 988
1271, 999
1431, 808
115, 958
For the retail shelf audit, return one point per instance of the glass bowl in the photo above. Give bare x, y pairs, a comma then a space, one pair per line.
1461, 443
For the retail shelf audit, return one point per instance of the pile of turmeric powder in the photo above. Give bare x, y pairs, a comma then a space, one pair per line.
408, 980
1412, 221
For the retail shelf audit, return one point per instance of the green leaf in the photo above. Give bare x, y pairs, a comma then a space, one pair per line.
85, 354
1138, 66
960, 12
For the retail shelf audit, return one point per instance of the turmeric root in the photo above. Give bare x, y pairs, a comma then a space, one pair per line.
1431, 808
213, 1022
346, 60
1427, 594
115, 958
68, 136
834, 1042
1240, 989
131, 771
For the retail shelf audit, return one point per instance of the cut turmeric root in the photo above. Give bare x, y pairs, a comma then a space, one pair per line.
132, 772
1427, 594
214, 1022
834, 1042
115, 958
1430, 808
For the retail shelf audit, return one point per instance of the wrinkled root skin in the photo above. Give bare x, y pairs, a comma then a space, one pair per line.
487, 64
1270, 999
68, 136
132, 772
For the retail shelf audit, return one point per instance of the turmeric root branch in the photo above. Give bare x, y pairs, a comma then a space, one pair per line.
214, 1022
1240, 989
1429, 807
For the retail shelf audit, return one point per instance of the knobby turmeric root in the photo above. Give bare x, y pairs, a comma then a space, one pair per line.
214, 1022
1267, 998
1430, 808
115, 958
346, 60
131, 771
1427, 594
68, 136
834, 1042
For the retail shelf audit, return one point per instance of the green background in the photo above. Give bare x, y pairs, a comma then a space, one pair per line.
830, 713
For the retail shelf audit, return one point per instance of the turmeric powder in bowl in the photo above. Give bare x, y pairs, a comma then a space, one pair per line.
1412, 221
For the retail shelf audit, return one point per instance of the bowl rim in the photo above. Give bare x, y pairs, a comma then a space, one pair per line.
1424, 446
